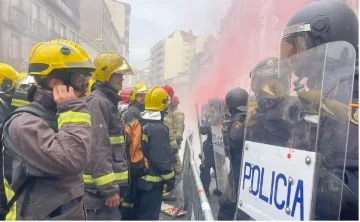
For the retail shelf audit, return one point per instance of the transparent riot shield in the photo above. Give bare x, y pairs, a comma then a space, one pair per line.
296, 139
220, 127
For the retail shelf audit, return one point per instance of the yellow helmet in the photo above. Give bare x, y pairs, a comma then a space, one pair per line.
138, 88
125, 69
58, 54
8, 77
157, 99
106, 63
91, 83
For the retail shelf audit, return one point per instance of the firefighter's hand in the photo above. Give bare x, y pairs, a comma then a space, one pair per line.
61, 93
113, 201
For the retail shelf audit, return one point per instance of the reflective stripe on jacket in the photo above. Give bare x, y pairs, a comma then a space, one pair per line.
53, 156
108, 166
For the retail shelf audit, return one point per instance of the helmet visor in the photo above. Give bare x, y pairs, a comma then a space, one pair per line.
6, 85
80, 79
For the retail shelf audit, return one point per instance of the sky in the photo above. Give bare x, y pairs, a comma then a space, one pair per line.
153, 20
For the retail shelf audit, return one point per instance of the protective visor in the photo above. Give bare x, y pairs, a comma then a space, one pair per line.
80, 79
6, 85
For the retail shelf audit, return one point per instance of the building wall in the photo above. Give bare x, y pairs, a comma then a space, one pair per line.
174, 54
97, 25
26, 22
120, 13
172, 57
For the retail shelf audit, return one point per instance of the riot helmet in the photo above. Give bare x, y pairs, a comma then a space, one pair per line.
269, 89
236, 100
313, 25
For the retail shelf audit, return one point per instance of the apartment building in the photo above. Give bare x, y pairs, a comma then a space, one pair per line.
140, 75
97, 26
171, 57
120, 13
24, 23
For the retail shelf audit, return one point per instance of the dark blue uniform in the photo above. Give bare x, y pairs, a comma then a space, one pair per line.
234, 140
208, 152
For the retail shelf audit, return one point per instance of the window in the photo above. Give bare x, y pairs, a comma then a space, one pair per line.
35, 17
35, 12
15, 47
72, 36
50, 24
16, 3
62, 30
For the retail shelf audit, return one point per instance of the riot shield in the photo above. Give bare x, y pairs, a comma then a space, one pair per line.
296, 139
219, 128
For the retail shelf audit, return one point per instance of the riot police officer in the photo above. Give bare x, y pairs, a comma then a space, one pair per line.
312, 26
236, 103
208, 161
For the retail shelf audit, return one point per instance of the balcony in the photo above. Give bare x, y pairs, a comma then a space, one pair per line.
60, 5
18, 18
52, 34
37, 28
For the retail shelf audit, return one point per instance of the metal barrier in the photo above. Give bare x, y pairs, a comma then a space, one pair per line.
195, 201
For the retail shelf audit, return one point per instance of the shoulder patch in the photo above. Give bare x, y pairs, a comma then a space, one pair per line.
238, 125
354, 114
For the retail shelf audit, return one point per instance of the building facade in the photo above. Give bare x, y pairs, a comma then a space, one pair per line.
97, 26
24, 23
140, 75
171, 57
120, 13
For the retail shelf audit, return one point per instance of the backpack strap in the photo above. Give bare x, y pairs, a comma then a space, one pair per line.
38, 111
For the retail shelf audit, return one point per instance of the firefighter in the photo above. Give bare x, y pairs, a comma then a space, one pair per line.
236, 103
47, 143
169, 122
108, 168
330, 21
179, 120
125, 100
157, 150
9, 78
136, 106
20, 95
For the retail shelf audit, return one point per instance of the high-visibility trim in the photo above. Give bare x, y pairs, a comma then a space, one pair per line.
11, 215
168, 176
1, 100
173, 143
122, 176
117, 140
100, 181
179, 134
165, 194
19, 102
129, 205
157, 179
73, 117
145, 138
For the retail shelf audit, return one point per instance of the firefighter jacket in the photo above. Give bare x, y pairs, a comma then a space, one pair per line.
179, 124
169, 123
157, 150
108, 167
48, 154
133, 111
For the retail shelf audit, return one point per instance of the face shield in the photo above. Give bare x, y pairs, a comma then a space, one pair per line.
6, 85
80, 79
298, 55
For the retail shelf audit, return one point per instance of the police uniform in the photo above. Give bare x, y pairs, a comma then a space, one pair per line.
235, 143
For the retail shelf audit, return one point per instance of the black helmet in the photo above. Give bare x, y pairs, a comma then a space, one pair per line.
318, 23
265, 72
236, 99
